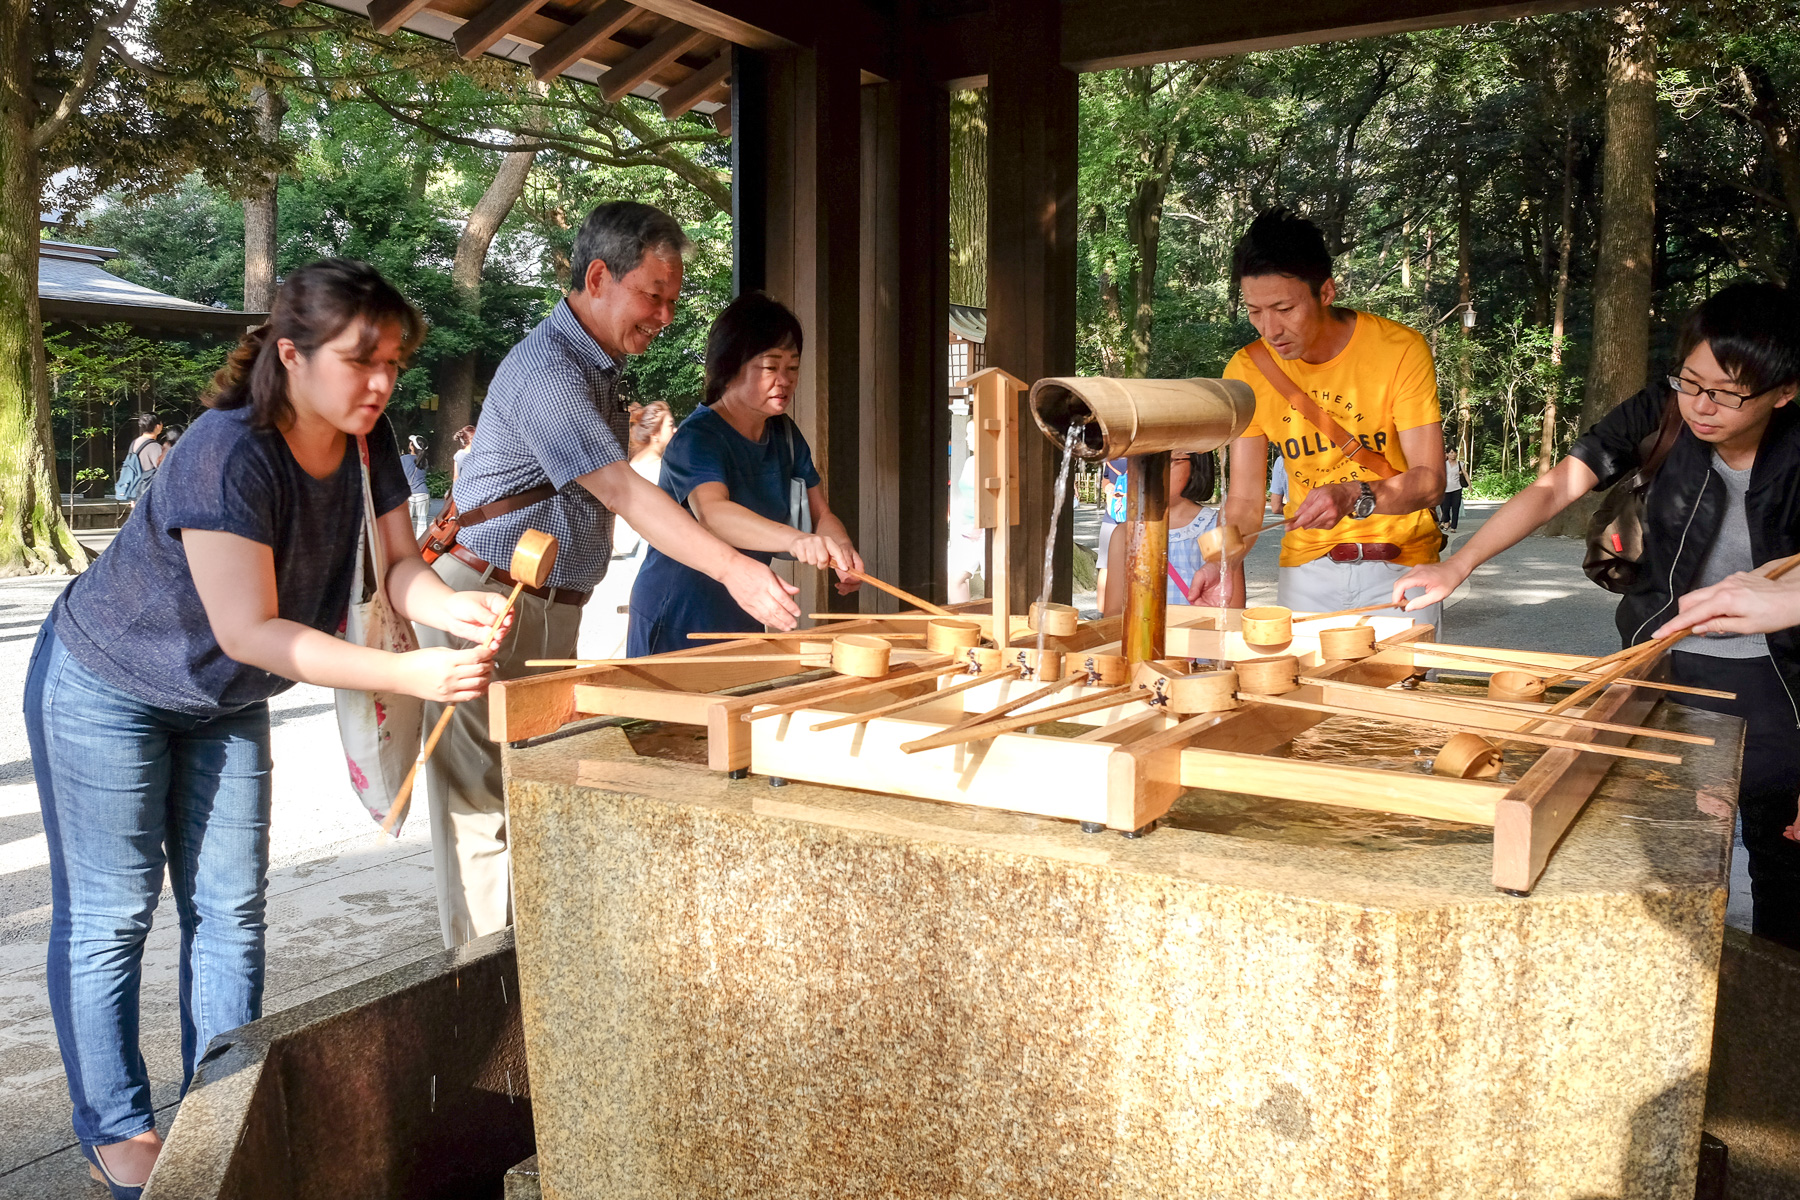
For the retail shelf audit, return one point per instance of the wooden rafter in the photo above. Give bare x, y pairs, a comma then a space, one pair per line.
491, 24
575, 43
671, 43
389, 15
695, 87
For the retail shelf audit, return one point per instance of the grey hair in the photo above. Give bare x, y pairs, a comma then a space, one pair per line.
619, 233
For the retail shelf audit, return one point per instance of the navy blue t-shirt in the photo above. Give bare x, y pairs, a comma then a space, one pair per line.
669, 600
134, 618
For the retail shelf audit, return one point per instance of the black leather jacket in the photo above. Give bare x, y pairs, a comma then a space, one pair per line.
1685, 506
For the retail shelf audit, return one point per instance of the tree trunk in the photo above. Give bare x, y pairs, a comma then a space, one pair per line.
1627, 236
34, 540
456, 391
1564, 248
260, 212
1627, 221
968, 198
1779, 139
1465, 431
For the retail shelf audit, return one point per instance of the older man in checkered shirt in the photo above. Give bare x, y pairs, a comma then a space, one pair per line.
550, 454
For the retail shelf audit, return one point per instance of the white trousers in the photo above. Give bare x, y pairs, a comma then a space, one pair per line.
1325, 586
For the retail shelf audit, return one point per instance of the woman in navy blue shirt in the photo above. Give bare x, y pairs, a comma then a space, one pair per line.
146, 703
733, 463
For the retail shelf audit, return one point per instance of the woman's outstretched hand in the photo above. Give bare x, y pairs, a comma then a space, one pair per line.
1438, 579
760, 592
1741, 603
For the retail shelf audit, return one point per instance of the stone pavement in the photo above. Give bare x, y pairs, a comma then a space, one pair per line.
346, 903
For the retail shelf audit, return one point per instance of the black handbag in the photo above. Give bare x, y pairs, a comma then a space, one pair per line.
1615, 533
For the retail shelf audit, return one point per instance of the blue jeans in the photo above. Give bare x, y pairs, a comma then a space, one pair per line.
127, 788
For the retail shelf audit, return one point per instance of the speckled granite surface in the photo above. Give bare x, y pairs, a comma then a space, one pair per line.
736, 991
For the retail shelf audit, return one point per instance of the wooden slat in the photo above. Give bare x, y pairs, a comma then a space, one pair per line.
387, 16
491, 24
647, 704
1540, 807
567, 48
694, 88
1018, 772
648, 59
1470, 801
1498, 716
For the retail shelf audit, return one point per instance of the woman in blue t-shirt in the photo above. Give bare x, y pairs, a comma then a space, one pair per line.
734, 463
146, 702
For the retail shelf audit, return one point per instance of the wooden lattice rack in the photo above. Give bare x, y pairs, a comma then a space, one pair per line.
1120, 766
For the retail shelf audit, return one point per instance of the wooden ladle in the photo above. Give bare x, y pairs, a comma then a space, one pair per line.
532, 559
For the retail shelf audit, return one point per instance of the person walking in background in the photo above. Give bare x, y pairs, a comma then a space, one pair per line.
1352, 400
1112, 515
146, 702
463, 437
419, 502
607, 621
550, 454
142, 458
968, 540
736, 462
1456, 477
171, 435
1278, 487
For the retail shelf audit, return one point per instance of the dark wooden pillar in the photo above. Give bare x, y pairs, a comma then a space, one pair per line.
905, 354
1031, 253
798, 211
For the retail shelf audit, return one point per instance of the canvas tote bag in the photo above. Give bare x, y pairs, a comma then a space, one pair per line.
381, 730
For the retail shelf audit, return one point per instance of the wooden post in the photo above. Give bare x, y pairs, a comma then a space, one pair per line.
1146, 556
1032, 199
995, 410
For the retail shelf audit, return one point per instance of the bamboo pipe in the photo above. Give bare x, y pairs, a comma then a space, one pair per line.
532, 557
1146, 530
888, 710
1464, 727
1056, 712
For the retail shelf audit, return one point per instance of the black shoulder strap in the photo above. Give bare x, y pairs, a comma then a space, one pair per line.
1663, 440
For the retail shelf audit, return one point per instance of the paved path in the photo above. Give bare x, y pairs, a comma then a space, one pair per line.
346, 903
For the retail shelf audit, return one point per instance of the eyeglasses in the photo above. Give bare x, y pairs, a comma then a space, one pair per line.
1719, 396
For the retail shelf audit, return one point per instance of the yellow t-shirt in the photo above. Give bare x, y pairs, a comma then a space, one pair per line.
1382, 382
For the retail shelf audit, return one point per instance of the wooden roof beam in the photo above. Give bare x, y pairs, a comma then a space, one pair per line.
752, 24
387, 16
647, 60
695, 87
491, 24
574, 44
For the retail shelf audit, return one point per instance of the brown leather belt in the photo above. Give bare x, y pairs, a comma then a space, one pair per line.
1347, 552
554, 595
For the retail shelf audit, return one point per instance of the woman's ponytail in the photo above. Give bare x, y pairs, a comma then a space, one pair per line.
231, 382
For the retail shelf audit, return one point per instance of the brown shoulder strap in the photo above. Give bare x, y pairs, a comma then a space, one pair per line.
1300, 402
506, 504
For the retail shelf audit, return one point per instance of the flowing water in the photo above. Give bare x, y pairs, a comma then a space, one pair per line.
1070, 438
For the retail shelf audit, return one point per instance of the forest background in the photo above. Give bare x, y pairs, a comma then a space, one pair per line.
1543, 198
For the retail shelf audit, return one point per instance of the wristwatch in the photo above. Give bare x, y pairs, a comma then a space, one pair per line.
1365, 502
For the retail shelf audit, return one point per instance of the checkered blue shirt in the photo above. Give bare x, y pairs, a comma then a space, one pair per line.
552, 415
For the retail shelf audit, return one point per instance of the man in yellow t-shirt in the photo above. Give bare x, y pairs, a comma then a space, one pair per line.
1355, 522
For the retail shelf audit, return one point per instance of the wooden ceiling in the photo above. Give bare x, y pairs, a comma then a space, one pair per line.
621, 47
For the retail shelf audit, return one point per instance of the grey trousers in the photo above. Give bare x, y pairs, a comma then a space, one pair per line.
468, 799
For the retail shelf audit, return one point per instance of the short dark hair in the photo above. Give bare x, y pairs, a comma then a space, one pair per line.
1202, 479
1280, 242
619, 233
147, 422
1754, 332
314, 305
753, 324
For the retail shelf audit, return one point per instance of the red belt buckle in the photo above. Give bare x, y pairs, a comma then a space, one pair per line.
1349, 552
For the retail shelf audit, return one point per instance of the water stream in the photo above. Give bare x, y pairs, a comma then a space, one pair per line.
1070, 438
